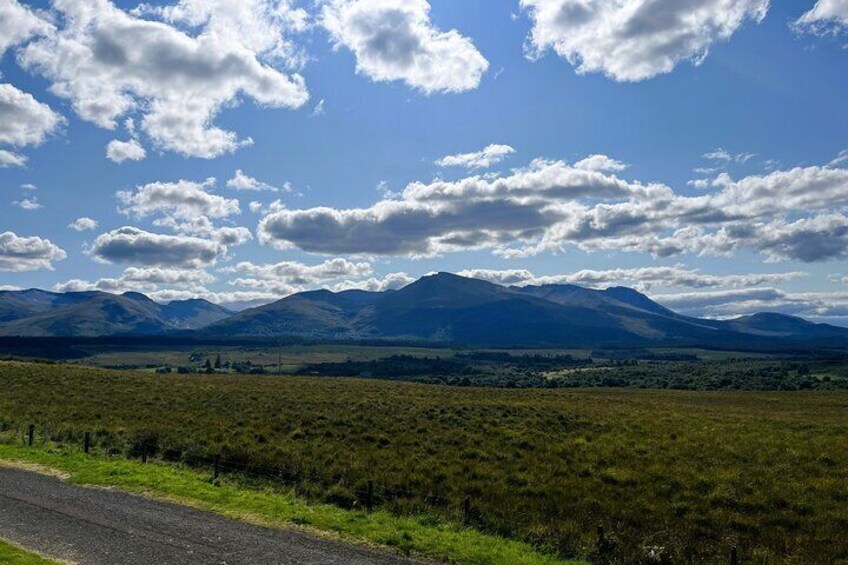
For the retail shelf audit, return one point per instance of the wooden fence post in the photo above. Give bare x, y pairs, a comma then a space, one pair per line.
466, 510
144, 452
215, 467
30, 434
734, 556
602, 541
86, 443
369, 497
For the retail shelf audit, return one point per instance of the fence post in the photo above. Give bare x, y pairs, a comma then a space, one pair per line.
215, 467
86, 443
602, 541
466, 510
369, 497
144, 452
734, 556
30, 434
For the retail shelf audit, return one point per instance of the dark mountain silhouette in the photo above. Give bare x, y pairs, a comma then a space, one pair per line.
452, 309
42, 313
441, 308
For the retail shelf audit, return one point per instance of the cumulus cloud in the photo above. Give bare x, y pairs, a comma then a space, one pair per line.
241, 181
24, 121
550, 205
110, 63
825, 17
829, 307
148, 280
19, 253
395, 40
120, 151
157, 275
30, 204
182, 199
483, 159
633, 40
261, 26
392, 281
643, 278
138, 247
291, 276
83, 224
204, 227
11, 159
600, 163
18, 24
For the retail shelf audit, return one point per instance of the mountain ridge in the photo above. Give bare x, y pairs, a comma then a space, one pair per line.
439, 308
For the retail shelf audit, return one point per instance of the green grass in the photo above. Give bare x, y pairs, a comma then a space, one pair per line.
693, 473
411, 535
11, 555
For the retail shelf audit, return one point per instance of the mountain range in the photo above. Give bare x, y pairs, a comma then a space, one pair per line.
440, 308
38, 313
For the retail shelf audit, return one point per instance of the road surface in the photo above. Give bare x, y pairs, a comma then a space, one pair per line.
93, 526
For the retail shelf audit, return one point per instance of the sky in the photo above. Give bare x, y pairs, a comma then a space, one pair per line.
243, 150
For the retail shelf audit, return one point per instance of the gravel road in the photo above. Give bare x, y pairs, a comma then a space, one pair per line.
93, 526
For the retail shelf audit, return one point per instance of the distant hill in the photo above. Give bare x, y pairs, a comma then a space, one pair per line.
440, 308
452, 309
40, 313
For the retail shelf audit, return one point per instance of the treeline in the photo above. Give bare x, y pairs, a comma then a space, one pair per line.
504, 370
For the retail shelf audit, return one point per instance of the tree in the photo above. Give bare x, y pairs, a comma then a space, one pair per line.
208, 367
218, 363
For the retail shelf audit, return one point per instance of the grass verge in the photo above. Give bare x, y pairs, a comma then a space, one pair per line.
12, 555
420, 536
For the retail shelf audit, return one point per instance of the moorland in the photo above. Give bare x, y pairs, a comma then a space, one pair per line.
673, 476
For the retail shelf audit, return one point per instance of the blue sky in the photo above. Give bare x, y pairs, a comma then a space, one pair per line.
717, 127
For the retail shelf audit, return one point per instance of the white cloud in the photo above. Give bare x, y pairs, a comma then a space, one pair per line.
839, 159
632, 40
261, 26
83, 224
483, 159
600, 163
138, 247
831, 307
29, 204
392, 281
723, 156
826, 17
120, 151
110, 63
147, 280
292, 274
319, 109
202, 226
182, 199
395, 40
157, 275
18, 253
792, 214
24, 121
18, 24
28, 186
241, 181
11, 159
642, 278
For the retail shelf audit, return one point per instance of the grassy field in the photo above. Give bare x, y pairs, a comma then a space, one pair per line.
292, 356
232, 497
686, 475
11, 555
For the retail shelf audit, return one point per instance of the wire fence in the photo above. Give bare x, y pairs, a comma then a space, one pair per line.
367, 497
